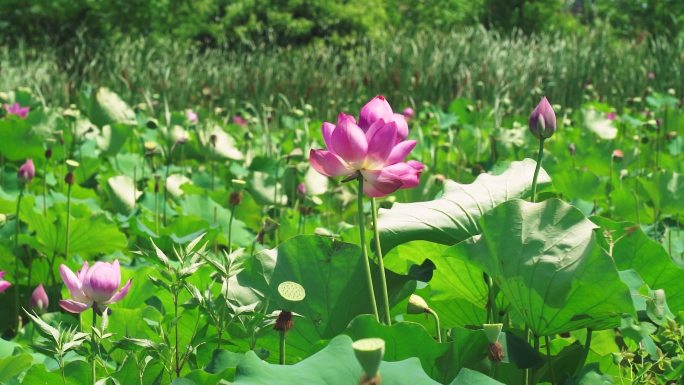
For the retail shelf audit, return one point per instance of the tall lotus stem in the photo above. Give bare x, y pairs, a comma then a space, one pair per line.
540, 154
438, 329
94, 346
212, 141
69, 179
381, 264
16, 260
585, 351
362, 238
549, 359
235, 199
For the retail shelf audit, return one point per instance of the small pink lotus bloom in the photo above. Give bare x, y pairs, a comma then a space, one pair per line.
543, 120
239, 120
39, 299
611, 116
191, 116
17, 110
408, 113
93, 287
618, 154
26, 171
4, 285
375, 148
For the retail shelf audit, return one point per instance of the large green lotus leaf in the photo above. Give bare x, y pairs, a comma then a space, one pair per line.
633, 249
107, 108
88, 236
459, 292
75, 373
471, 377
550, 267
111, 139
204, 207
15, 131
453, 217
403, 340
334, 365
14, 365
333, 275
666, 192
123, 193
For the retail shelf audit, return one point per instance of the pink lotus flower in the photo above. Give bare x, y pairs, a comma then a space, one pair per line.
26, 171
4, 285
93, 287
618, 154
408, 113
611, 116
39, 299
543, 120
375, 149
191, 116
239, 120
17, 110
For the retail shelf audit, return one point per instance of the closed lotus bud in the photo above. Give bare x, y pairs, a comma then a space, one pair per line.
417, 305
212, 139
408, 113
235, 198
69, 178
284, 321
301, 189
543, 120
27, 171
572, 149
618, 155
39, 300
496, 352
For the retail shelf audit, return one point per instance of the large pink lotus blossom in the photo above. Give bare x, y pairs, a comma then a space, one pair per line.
375, 148
191, 116
17, 110
4, 285
95, 286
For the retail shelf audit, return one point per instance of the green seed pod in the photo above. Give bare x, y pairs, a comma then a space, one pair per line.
493, 332
417, 305
369, 353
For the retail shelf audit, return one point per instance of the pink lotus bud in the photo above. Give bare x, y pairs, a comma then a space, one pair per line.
191, 116
27, 171
408, 113
611, 116
618, 155
301, 189
543, 120
4, 285
39, 299
17, 110
239, 120
93, 287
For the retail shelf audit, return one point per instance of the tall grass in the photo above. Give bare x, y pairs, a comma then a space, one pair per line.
434, 67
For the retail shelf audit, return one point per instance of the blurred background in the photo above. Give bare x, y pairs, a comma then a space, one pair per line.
334, 55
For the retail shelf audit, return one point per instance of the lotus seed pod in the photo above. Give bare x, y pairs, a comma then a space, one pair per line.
417, 305
493, 332
291, 291
238, 184
369, 353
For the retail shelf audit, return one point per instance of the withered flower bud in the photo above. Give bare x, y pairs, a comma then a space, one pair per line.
496, 352
69, 178
284, 321
235, 198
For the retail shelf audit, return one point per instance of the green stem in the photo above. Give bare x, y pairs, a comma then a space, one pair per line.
362, 238
540, 154
68, 222
438, 329
16, 260
175, 317
230, 228
92, 336
549, 359
282, 347
381, 263
45, 188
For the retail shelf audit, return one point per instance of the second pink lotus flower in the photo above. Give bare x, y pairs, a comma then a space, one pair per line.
93, 287
375, 147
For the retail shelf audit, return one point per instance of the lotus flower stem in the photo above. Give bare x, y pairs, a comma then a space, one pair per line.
230, 228
68, 221
45, 166
92, 336
549, 359
362, 238
438, 329
16, 260
540, 154
282, 347
175, 316
381, 264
